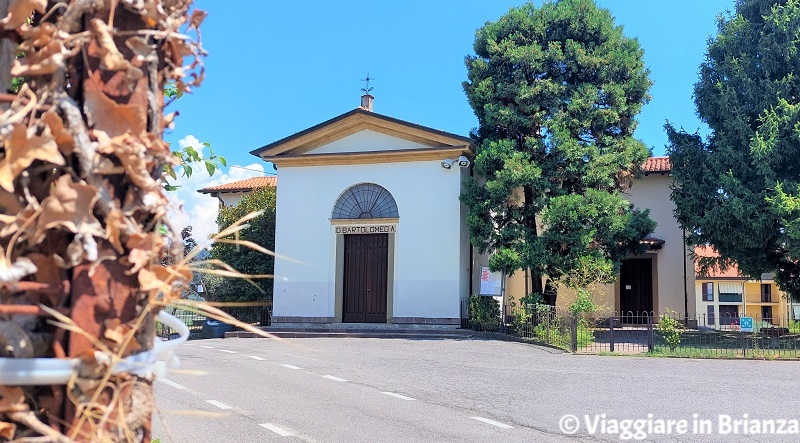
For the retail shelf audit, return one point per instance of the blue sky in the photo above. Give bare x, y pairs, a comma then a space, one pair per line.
276, 67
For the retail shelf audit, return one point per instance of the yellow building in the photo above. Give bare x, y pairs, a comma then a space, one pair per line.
724, 296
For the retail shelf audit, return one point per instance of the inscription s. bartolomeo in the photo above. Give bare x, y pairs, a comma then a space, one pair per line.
366, 229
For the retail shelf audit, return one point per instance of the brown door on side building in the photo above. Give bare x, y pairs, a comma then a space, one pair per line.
636, 290
366, 260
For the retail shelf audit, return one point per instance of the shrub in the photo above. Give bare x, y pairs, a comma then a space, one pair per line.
671, 329
523, 315
484, 312
583, 304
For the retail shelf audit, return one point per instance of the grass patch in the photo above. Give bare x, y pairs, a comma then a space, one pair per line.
700, 352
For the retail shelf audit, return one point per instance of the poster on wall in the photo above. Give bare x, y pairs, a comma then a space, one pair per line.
491, 282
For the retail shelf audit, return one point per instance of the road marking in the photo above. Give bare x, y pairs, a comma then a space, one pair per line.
330, 377
219, 404
277, 429
171, 383
291, 367
255, 357
402, 397
207, 347
493, 423
229, 352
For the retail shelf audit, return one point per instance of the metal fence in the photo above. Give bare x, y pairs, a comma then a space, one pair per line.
668, 334
201, 326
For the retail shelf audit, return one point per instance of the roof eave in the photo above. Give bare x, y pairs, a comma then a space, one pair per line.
262, 150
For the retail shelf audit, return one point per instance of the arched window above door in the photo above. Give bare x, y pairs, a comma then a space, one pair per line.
365, 200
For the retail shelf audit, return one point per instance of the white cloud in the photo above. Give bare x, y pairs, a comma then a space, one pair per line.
192, 141
200, 210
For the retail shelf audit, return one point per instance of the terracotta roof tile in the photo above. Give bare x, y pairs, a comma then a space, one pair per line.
242, 185
653, 242
713, 272
657, 164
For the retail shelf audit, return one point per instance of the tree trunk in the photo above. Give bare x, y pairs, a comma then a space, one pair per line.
529, 221
82, 204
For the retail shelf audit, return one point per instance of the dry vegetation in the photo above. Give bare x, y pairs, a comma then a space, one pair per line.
81, 206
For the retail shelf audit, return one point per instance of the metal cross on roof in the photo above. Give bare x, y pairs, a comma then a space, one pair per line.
367, 89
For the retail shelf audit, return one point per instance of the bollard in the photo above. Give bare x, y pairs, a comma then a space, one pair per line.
649, 333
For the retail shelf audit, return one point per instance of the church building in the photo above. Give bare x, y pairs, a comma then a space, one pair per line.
369, 224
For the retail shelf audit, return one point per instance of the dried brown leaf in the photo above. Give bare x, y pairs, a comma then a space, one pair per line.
110, 57
20, 10
11, 224
64, 140
109, 116
115, 330
116, 333
10, 206
7, 430
49, 272
46, 61
143, 248
166, 280
141, 48
114, 221
23, 147
12, 399
133, 154
70, 206
149, 281
37, 36
197, 18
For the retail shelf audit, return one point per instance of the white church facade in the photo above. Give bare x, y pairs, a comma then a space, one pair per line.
369, 224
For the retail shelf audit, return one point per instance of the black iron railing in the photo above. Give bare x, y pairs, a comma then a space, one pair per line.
650, 333
252, 313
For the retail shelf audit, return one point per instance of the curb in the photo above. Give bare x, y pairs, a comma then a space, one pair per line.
305, 334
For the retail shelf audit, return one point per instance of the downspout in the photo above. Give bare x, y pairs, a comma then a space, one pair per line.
471, 248
685, 281
526, 284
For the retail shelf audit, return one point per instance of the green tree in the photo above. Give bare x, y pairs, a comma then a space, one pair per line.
188, 156
556, 91
261, 231
737, 189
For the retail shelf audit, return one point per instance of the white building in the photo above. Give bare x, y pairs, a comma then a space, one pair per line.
369, 222
230, 194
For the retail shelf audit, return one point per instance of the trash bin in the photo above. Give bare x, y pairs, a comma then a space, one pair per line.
215, 329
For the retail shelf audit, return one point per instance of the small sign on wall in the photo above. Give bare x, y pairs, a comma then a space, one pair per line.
746, 324
367, 229
491, 282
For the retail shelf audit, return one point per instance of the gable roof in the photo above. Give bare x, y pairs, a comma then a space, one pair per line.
657, 164
357, 120
242, 185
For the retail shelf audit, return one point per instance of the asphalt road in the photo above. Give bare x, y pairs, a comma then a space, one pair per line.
450, 390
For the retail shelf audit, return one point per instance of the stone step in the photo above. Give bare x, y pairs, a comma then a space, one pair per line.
355, 332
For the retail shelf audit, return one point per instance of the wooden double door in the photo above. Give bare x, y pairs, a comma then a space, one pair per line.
366, 263
636, 290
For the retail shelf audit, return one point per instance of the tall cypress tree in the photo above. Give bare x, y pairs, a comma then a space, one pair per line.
738, 188
556, 91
